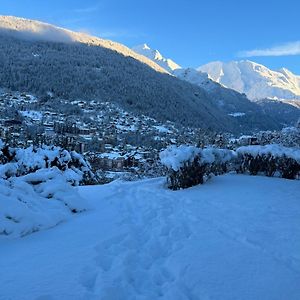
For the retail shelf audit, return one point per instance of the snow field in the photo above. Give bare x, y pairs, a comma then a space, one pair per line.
236, 237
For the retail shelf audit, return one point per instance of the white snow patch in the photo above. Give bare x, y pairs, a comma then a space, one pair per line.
175, 157
162, 129
32, 114
237, 114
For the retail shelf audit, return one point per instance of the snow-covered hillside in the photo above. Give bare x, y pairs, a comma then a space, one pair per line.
93, 68
236, 237
166, 63
255, 80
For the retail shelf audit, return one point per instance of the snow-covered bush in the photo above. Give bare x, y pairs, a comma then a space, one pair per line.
36, 201
269, 160
19, 162
175, 157
188, 165
36, 188
223, 159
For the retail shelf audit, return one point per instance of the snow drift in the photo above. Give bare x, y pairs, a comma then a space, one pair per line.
237, 237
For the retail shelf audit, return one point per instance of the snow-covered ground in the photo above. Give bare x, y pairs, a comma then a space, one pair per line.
236, 237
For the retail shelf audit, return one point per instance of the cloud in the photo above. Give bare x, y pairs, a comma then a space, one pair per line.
110, 33
72, 21
119, 33
89, 9
287, 49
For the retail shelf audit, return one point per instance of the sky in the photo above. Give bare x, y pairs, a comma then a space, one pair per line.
191, 32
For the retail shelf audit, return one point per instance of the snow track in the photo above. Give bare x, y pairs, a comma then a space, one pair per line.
135, 262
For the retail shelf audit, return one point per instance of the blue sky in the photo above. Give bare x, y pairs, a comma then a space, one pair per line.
192, 32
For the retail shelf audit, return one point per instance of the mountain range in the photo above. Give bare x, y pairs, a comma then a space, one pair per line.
248, 77
277, 92
42, 58
255, 80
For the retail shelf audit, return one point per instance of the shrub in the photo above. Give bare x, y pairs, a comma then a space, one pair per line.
188, 166
15, 162
269, 160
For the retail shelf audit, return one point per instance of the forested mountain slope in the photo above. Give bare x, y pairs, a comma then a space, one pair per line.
77, 66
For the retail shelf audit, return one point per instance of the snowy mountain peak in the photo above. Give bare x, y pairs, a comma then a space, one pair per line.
144, 47
168, 64
255, 80
288, 73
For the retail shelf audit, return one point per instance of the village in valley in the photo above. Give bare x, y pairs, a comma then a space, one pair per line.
114, 141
